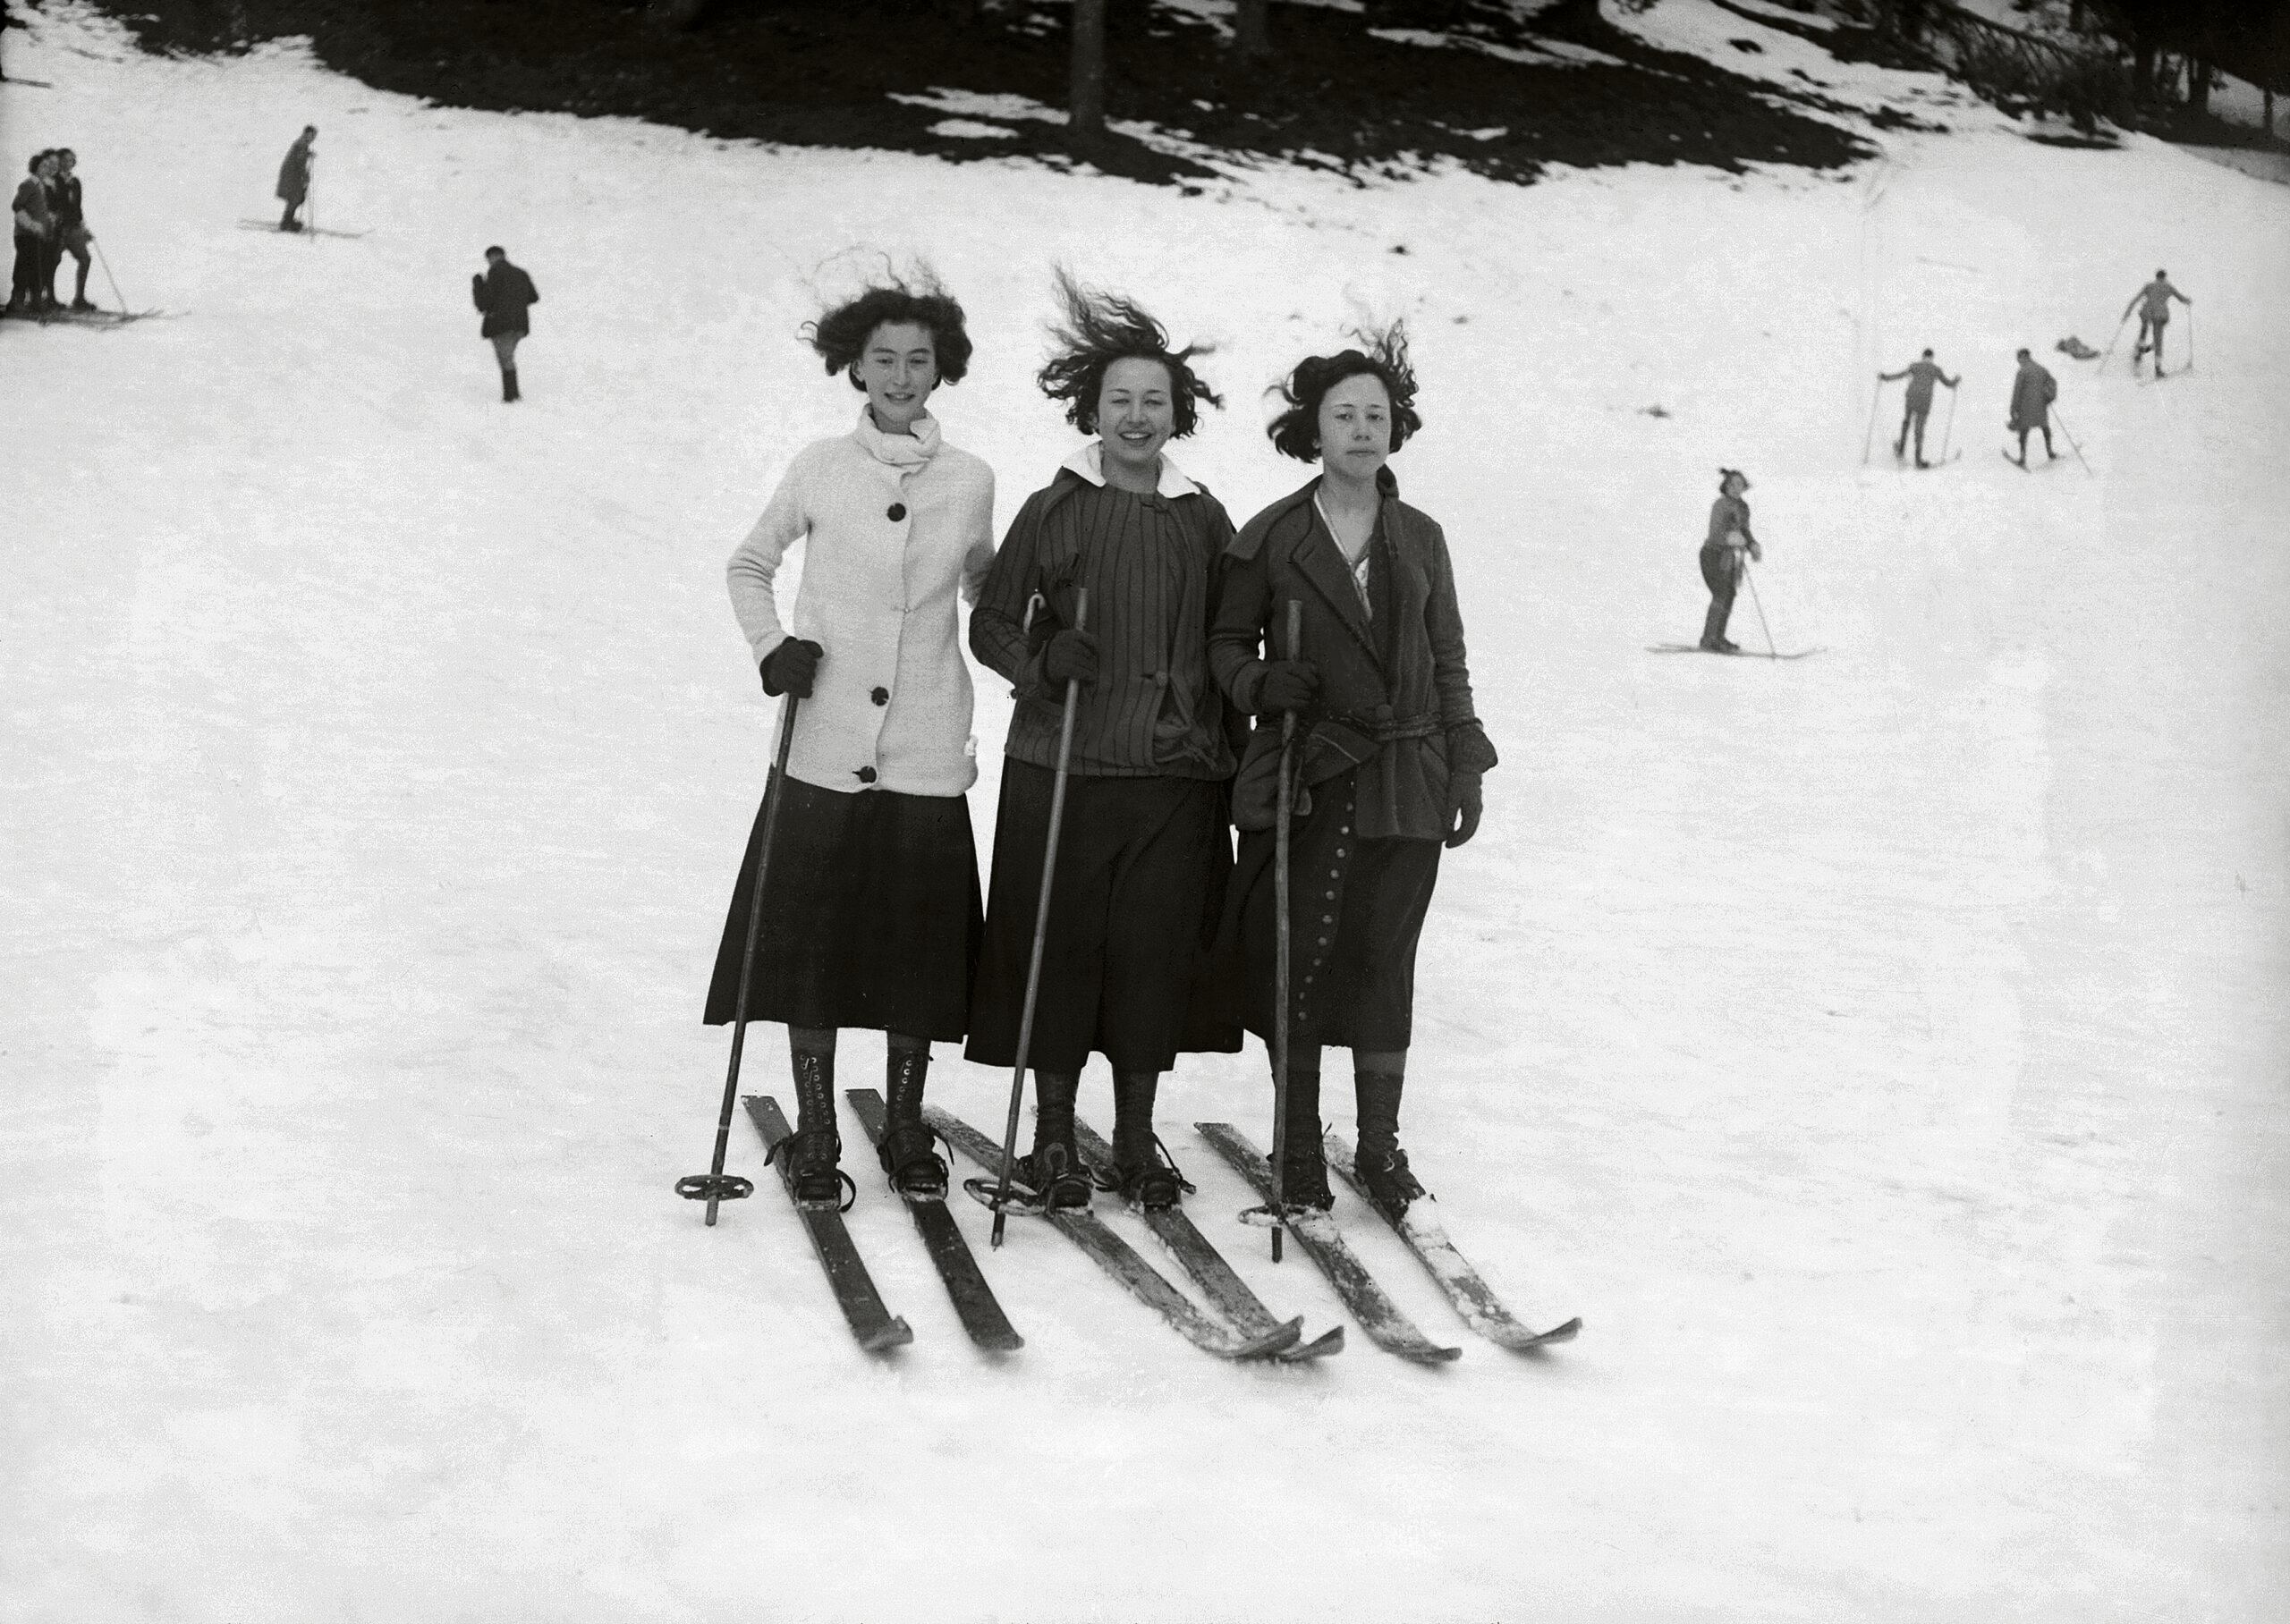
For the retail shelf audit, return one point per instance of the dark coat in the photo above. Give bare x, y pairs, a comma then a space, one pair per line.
294, 173
1394, 697
2033, 390
503, 292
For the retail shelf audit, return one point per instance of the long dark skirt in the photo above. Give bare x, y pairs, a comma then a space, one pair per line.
1142, 868
1356, 909
870, 917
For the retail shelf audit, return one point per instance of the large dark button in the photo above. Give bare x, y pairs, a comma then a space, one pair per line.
866, 774
898, 512
1383, 712
881, 695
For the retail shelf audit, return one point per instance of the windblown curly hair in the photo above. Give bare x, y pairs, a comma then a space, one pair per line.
1296, 432
1096, 329
840, 336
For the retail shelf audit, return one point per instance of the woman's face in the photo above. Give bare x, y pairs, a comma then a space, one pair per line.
1355, 427
1136, 412
898, 369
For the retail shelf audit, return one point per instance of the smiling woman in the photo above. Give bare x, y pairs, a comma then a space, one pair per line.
870, 910
1143, 855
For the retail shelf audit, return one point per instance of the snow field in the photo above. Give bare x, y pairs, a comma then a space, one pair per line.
1881, 1052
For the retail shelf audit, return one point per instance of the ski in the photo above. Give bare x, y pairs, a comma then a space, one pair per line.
1119, 1259
307, 231
1933, 467
1323, 1244
98, 318
974, 1302
1226, 1291
2028, 468
877, 1328
1740, 653
1426, 1238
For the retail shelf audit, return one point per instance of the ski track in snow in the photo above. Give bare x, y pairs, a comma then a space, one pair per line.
1882, 1053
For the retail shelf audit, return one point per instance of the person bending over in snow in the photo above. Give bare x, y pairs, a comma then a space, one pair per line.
504, 292
2033, 390
294, 177
1143, 855
2153, 303
1389, 750
870, 911
1721, 562
1921, 374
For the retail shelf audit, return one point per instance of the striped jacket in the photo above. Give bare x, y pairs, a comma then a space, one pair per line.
1149, 566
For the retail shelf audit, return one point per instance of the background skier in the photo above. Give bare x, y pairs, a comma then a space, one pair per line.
872, 914
1389, 750
29, 293
504, 292
1729, 537
2153, 303
294, 177
71, 234
1143, 857
1921, 374
2033, 389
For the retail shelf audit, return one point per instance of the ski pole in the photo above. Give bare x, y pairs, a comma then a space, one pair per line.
1284, 804
2078, 450
712, 1186
2189, 338
1868, 440
115, 294
1771, 653
1042, 925
1948, 426
2115, 341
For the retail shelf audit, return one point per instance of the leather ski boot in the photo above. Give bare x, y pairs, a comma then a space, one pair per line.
1303, 1161
1381, 1163
1142, 1170
909, 1151
1053, 1172
814, 1151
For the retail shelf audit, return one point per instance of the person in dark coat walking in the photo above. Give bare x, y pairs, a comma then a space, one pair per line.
871, 912
29, 293
1143, 855
504, 292
1722, 546
294, 177
2033, 390
1921, 373
1389, 749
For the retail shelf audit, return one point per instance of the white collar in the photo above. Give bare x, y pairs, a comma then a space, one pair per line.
1090, 463
899, 449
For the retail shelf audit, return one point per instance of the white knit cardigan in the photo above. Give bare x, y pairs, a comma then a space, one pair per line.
896, 526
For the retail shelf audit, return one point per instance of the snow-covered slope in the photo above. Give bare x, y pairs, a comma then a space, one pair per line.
1882, 1052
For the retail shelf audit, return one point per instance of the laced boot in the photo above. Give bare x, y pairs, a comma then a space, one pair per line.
1303, 1162
1382, 1165
909, 1151
814, 1152
1053, 1170
1142, 1170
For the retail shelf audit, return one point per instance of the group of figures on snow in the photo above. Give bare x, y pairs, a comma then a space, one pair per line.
1145, 641
51, 222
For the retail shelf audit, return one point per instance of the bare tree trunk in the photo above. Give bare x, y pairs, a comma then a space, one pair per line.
1086, 114
2197, 85
1251, 30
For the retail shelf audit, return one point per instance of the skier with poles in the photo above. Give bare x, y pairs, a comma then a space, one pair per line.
2153, 303
504, 292
71, 234
1722, 549
1388, 755
294, 177
2033, 390
1921, 374
870, 917
1143, 857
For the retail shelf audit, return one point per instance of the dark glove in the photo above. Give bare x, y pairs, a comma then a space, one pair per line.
1755, 551
1070, 656
789, 668
1288, 685
1463, 808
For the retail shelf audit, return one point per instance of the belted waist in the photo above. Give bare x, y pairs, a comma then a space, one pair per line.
1384, 730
